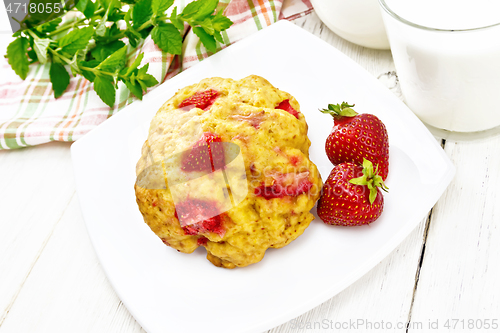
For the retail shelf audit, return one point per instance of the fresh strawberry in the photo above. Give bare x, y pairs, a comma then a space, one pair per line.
207, 154
201, 99
285, 105
357, 136
350, 201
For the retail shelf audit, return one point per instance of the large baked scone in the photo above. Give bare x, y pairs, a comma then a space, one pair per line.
226, 166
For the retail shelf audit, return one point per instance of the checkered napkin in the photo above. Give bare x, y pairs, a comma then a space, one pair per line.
29, 114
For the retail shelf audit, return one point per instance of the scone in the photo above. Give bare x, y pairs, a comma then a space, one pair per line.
226, 166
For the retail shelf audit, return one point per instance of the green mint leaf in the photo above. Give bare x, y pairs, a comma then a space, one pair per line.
130, 30
127, 71
102, 51
218, 37
76, 40
115, 62
168, 38
146, 32
16, 54
116, 15
142, 84
220, 22
143, 70
207, 40
32, 55
176, 21
135, 88
160, 6
87, 7
105, 3
206, 8
198, 10
207, 26
100, 30
89, 64
132, 39
141, 13
190, 10
105, 89
113, 30
40, 46
59, 77
147, 80
49, 26
139, 80
110, 6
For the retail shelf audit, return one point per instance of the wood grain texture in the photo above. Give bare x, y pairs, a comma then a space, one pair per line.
460, 274
67, 290
36, 186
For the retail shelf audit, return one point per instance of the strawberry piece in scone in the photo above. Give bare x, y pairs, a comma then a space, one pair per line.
201, 99
285, 105
199, 216
207, 154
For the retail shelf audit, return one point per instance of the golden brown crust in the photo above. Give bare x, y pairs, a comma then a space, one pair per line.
273, 147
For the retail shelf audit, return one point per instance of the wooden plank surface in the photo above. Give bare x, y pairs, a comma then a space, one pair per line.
67, 290
460, 275
36, 185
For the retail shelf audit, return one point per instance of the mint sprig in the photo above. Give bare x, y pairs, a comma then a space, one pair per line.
94, 46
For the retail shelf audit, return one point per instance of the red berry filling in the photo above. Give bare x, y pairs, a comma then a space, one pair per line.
201, 99
199, 216
202, 241
285, 105
207, 154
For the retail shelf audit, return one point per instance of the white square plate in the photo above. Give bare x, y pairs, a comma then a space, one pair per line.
167, 291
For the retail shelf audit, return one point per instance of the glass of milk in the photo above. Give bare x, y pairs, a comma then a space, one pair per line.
447, 56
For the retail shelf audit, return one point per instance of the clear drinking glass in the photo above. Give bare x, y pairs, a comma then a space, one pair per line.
450, 78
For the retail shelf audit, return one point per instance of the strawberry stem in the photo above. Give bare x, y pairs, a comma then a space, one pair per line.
340, 110
371, 179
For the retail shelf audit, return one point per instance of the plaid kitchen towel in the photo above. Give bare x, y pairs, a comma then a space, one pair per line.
29, 114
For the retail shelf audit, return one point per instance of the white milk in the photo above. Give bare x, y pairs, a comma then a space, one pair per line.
450, 79
358, 21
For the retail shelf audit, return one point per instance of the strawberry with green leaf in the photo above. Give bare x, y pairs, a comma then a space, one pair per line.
355, 137
351, 195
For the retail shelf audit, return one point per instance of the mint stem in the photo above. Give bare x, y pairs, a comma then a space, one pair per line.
72, 25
